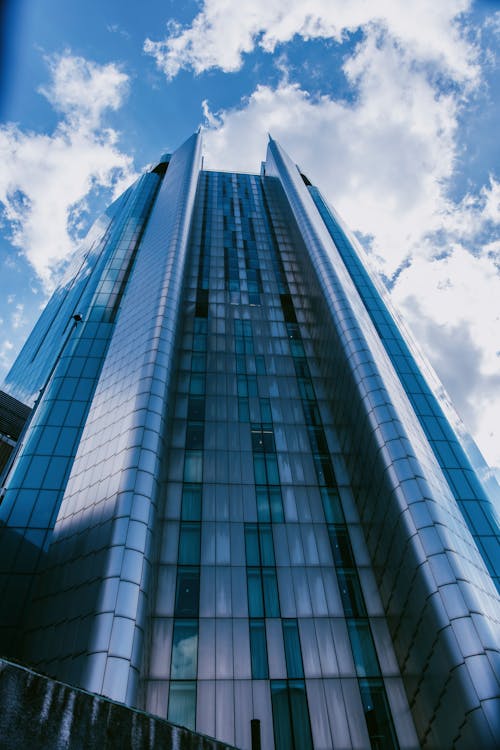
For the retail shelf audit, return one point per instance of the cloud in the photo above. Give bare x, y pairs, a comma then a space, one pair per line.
389, 151
6, 348
452, 305
222, 32
46, 179
386, 158
18, 319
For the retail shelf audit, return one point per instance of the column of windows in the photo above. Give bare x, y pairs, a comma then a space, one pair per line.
371, 686
372, 690
184, 660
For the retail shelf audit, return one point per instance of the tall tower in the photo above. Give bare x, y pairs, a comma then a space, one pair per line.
237, 495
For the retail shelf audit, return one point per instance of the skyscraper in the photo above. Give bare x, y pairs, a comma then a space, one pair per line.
237, 496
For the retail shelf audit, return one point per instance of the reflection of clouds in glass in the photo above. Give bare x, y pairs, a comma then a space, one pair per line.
184, 657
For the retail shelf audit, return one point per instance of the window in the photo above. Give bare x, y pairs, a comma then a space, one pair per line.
363, 649
341, 547
262, 439
184, 649
182, 703
196, 408
193, 466
191, 502
293, 654
189, 544
194, 436
258, 650
187, 593
350, 593
292, 728
377, 715
331, 506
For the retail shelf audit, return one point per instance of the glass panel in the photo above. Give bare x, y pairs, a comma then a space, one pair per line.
200, 325
196, 408
297, 349
184, 649
271, 600
255, 601
242, 386
197, 384
378, 716
300, 716
188, 590
341, 547
189, 544
258, 649
252, 545
273, 476
259, 468
292, 649
331, 506
198, 363
199, 342
260, 365
191, 503
263, 513
266, 545
350, 593
182, 704
252, 386
194, 436
193, 466
257, 441
276, 504
283, 738
265, 410
363, 649
324, 471
243, 410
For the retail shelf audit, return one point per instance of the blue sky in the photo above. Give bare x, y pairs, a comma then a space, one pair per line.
391, 108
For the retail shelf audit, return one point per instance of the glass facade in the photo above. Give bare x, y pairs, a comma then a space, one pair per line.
245, 517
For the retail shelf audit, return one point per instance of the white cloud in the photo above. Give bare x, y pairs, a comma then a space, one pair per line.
224, 30
6, 348
45, 179
452, 305
389, 152
385, 158
17, 318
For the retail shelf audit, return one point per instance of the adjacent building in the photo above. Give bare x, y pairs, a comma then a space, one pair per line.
238, 495
13, 417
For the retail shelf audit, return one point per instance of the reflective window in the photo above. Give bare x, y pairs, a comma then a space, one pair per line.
182, 703
189, 544
255, 599
363, 649
378, 715
350, 593
271, 600
331, 505
252, 545
194, 436
184, 649
193, 466
341, 546
292, 729
258, 650
191, 502
188, 590
292, 649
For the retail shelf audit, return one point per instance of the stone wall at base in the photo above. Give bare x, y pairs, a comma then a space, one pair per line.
41, 714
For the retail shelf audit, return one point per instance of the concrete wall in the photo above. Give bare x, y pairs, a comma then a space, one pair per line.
40, 713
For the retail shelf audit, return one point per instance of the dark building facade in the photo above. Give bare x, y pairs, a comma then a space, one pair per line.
238, 496
13, 417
